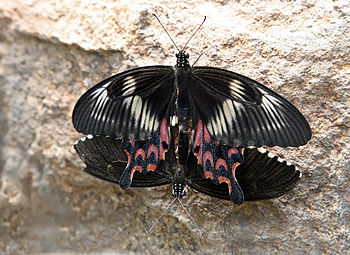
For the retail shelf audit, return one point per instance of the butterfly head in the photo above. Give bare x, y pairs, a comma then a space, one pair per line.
182, 58
178, 190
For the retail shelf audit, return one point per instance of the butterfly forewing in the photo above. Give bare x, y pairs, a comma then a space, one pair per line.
241, 112
129, 105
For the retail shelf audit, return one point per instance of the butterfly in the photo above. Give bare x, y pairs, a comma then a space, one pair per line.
192, 126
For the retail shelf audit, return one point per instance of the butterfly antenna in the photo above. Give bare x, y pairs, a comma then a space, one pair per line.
189, 215
197, 59
166, 31
166, 209
183, 49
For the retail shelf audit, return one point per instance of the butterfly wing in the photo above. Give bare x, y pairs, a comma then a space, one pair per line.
129, 105
241, 112
206, 186
105, 159
261, 176
218, 162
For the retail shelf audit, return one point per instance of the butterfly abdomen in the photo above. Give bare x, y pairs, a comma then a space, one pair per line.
183, 146
183, 113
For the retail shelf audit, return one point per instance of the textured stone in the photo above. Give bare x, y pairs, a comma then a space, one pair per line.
52, 51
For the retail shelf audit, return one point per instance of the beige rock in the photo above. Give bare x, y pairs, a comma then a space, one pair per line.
52, 51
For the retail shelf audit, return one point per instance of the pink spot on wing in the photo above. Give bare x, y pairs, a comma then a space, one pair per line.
208, 156
208, 174
232, 151
198, 141
132, 142
140, 152
206, 135
224, 179
199, 135
221, 162
136, 168
153, 149
151, 167
164, 137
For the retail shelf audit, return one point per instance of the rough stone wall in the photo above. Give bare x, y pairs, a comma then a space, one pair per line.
52, 51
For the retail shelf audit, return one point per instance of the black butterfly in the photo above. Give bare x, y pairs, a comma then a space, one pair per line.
184, 125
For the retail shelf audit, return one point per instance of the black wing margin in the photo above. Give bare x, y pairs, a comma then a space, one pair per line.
262, 175
105, 159
241, 112
129, 105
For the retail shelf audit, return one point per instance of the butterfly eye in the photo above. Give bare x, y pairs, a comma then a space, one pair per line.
177, 55
186, 55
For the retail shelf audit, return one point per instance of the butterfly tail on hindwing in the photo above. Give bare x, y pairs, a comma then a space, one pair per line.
105, 159
261, 175
264, 175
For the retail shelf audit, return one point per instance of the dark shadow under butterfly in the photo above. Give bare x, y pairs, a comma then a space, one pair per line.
191, 126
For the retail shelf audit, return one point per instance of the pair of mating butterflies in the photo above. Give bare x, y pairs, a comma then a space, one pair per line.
185, 125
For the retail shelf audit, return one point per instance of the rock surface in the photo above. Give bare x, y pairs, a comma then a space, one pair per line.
52, 51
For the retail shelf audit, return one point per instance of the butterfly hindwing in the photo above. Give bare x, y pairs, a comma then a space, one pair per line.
218, 162
129, 105
262, 175
146, 155
241, 112
105, 159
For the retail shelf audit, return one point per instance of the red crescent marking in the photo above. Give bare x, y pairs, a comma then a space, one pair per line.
136, 168
199, 135
208, 174
132, 143
224, 179
234, 169
151, 167
153, 149
232, 151
140, 152
221, 162
206, 135
129, 158
198, 141
162, 155
164, 132
199, 156
207, 155
164, 137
